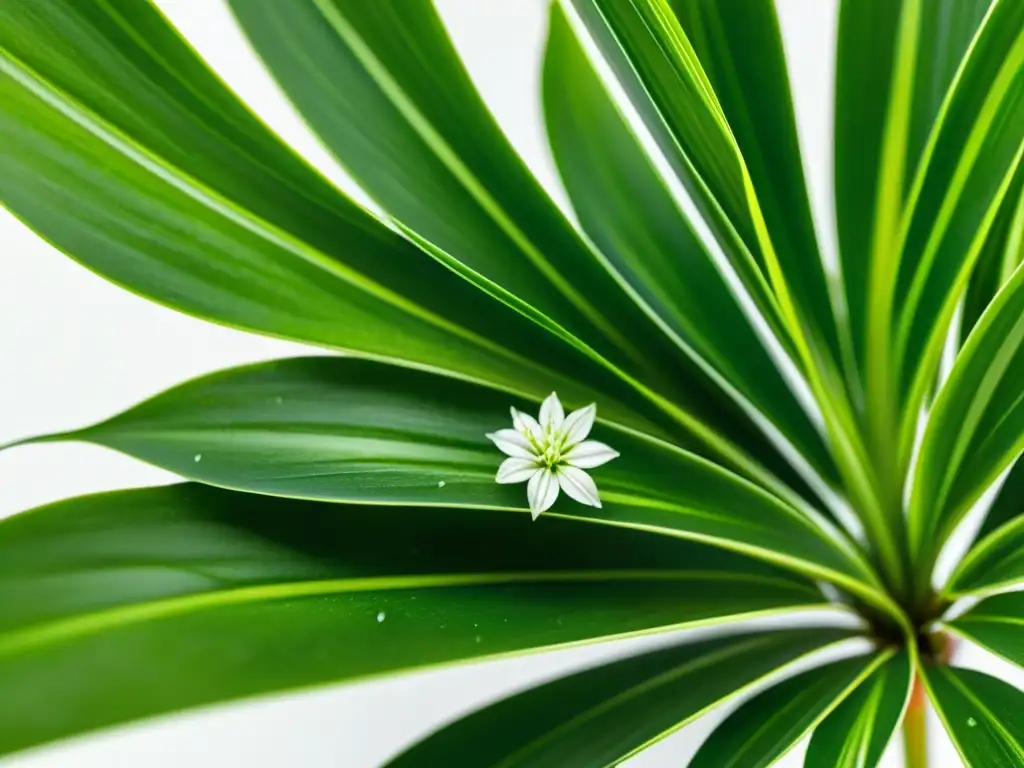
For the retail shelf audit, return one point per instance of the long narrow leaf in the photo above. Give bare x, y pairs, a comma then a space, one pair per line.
601, 716
125, 605
857, 732
350, 430
976, 427
982, 714
765, 728
996, 623
628, 212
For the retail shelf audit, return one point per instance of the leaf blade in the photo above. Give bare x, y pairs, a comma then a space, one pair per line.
856, 733
359, 431
134, 603
604, 715
763, 729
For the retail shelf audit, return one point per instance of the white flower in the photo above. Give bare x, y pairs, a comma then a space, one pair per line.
551, 454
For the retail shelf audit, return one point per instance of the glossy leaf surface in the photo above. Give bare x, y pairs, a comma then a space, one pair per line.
765, 728
217, 218
600, 716
976, 427
857, 732
351, 430
627, 210
996, 623
983, 715
129, 604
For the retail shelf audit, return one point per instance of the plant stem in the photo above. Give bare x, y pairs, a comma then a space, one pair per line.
915, 728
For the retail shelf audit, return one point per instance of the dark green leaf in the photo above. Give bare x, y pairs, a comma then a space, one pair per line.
658, 68
601, 716
997, 559
124, 605
966, 171
1002, 252
421, 142
857, 732
983, 715
870, 185
123, 150
739, 46
629, 213
975, 429
359, 431
996, 623
763, 729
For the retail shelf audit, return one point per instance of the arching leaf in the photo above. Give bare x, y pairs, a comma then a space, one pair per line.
629, 213
130, 604
601, 716
765, 728
982, 715
976, 428
358, 431
996, 623
857, 732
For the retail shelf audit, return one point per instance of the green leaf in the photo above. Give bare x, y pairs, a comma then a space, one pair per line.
1002, 252
965, 173
601, 716
890, 84
658, 66
628, 212
360, 431
995, 623
857, 732
129, 604
421, 142
975, 429
997, 559
765, 728
124, 151
739, 47
982, 714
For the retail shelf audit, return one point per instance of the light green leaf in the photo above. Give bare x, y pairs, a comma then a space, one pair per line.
601, 716
976, 427
125, 605
996, 623
628, 212
658, 66
765, 728
982, 714
997, 558
739, 47
217, 218
966, 171
1002, 252
359, 431
885, 106
857, 732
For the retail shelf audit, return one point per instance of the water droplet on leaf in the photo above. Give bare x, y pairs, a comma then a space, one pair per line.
440, 483
971, 722
197, 458
380, 617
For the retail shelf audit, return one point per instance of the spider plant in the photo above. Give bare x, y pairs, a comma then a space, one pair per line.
778, 432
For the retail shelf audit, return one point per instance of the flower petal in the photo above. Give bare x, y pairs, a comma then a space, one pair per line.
578, 424
590, 454
551, 412
541, 491
516, 470
511, 443
579, 486
526, 424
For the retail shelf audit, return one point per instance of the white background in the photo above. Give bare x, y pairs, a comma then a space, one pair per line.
74, 349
